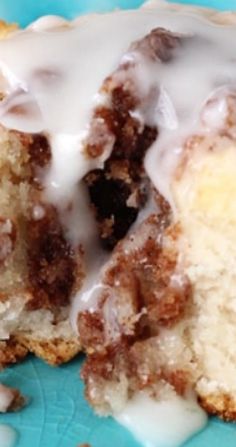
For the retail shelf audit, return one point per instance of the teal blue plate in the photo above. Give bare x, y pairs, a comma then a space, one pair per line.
24, 11
57, 414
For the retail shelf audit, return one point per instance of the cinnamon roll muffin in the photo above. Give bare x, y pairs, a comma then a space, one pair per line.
117, 215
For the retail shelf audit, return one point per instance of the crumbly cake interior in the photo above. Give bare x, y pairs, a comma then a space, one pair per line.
160, 315
38, 267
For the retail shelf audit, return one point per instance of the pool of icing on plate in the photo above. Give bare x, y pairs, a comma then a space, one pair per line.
54, 70
167, 423
8, 436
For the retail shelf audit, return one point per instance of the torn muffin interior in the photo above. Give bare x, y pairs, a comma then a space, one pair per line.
120, 231
38, 267
152, 330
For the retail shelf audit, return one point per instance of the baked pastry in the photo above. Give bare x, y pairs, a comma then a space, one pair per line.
38, 268
117, 219
10, 399
163, 315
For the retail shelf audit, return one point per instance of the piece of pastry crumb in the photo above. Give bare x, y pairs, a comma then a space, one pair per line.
10, 399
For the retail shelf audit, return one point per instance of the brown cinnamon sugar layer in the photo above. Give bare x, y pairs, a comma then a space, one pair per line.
219, 404
11, 351
41, 266
39, 270
143, 295
51, 262
120, 189
139, 300
39, 151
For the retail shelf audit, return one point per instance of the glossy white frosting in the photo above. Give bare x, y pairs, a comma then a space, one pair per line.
58, 88
54, 71
167, 423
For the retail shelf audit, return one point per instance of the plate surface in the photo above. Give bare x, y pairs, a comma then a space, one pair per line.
58, 415
24, 11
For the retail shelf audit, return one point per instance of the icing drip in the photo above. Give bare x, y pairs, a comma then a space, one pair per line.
167, 423
8, 436
56, 92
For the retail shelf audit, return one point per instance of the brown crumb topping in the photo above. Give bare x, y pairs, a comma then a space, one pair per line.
139, 299
11, 351
159, 44
39, 151
51, 262
141, 295
123, 176
116, 128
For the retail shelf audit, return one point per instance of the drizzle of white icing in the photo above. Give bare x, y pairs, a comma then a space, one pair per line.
8, 436
165, 423
57, 89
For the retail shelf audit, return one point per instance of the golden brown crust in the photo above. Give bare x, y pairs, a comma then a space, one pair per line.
163, 312
11, 351
54, 269
54, 352
38, 266
219, 404
6, 28
39, 270
125, 343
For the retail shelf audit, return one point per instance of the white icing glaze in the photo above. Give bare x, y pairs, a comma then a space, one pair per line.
60, 84
8, 436
167, 423
6, 398
57, 89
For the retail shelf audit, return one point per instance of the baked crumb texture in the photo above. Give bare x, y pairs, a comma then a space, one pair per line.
149, 329
158, 325
38, 268
141, 301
